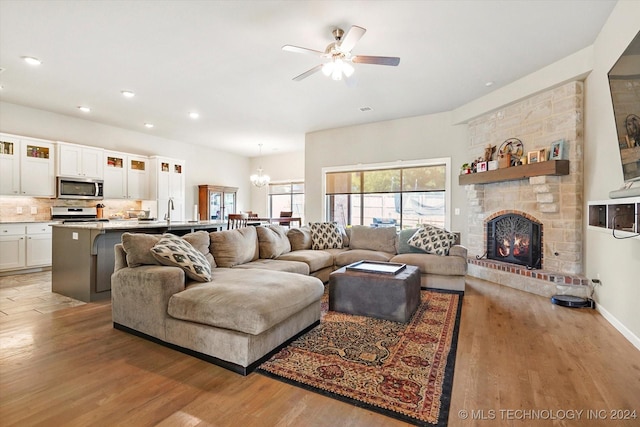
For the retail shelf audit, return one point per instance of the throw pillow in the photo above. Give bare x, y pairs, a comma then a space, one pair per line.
403, 239
138, 246
173, 251
433, 240
273, 241
200, 241
325, 235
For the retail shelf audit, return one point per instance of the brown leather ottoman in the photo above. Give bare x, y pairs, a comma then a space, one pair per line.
385, 296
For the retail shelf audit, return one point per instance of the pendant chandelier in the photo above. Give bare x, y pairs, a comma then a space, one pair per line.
259, 179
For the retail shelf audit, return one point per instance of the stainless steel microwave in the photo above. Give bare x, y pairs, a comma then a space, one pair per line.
80, 188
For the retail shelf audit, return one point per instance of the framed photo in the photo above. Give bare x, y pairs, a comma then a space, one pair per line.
482, 167
532, 157
556, 151
542, 155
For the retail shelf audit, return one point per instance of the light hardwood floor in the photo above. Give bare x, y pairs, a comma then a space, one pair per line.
518, 356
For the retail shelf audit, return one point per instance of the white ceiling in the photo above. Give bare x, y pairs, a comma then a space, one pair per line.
224, 60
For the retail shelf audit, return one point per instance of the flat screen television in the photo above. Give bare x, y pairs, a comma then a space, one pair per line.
624, 83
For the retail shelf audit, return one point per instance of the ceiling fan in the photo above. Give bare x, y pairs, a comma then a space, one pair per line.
339, 55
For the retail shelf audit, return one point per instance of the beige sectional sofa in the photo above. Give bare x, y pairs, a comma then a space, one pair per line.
265, 288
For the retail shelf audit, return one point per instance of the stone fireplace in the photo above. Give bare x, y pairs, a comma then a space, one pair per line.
551, 205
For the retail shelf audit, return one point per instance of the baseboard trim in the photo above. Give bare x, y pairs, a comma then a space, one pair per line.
630, 336
234, 367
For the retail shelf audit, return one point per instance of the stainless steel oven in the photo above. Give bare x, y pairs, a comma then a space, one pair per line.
80, 188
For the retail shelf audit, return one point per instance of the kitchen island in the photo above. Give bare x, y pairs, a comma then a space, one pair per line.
83, 256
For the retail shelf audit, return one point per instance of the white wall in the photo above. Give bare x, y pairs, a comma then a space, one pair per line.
413, 138
617, 262
204, 165
283, 167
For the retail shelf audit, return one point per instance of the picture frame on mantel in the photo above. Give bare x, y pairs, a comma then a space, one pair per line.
556, 152
542, 155
532, 156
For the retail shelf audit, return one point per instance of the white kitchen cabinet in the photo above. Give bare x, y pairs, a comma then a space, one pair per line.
80, 160
126, 176
9, 165
168, 181
38, 249
115, 175
12, 247
27, 166
138, 177
25, 245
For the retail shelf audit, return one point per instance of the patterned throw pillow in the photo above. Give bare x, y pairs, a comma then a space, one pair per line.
173, 251
433, 240
325, 235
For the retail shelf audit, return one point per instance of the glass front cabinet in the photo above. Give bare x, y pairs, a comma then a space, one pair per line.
216, 202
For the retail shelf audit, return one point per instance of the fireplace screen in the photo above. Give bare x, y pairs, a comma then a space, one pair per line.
516, 239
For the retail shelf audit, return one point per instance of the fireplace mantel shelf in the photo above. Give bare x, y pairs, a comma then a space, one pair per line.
550, 167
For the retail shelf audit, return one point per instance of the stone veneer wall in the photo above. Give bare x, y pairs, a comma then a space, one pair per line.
555, 201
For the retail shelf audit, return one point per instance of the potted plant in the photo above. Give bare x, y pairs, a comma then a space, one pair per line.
465, 169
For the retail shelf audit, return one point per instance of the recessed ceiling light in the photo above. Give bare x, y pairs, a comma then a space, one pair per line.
194, 115
365, 109
127, 93
84, 109
148, 125
487, 84
31, 60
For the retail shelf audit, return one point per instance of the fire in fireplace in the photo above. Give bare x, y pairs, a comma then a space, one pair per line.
516, 239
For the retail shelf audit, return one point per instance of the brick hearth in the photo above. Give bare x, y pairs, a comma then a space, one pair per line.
555, 201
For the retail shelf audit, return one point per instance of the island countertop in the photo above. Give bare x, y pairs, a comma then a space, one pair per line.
124, 225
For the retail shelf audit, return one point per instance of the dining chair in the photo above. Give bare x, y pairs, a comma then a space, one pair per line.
237, 221
285, 214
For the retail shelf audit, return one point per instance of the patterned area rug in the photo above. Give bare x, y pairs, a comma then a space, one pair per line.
401, 370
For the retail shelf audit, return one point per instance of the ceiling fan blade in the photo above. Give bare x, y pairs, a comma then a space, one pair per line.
297, 49
376, 60
349, 41
308, 73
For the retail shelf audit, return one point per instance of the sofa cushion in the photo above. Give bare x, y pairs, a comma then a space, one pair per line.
272, 241
432, 239
403, 245
173, 251
373, 238
137, 247
300, 238
434, 264
355, 255
233, 247
200, 240
278, 265
316, 260
246, 300
325, 235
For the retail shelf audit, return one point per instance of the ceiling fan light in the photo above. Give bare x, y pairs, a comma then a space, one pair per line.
347, 69
327, 68
336, 74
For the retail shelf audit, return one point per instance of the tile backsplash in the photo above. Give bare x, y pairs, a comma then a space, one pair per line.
19, 209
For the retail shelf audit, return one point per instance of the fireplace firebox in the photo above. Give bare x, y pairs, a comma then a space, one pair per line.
516, 239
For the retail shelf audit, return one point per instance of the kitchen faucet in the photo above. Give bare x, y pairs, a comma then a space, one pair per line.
169, 209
